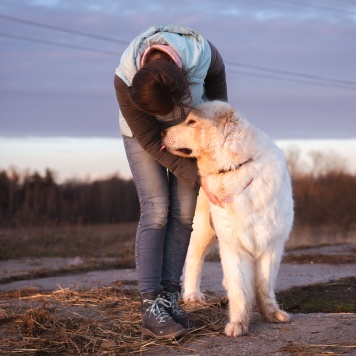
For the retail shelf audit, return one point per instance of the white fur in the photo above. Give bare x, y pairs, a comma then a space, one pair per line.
256, 219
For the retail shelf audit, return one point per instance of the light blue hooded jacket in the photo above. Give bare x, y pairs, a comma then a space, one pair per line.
191, 47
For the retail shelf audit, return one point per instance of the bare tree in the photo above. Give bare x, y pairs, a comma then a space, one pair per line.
292, 156
324, 163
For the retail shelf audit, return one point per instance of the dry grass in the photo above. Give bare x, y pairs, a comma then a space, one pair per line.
113, 240
67, 241
103, 321
306, 236
106, 321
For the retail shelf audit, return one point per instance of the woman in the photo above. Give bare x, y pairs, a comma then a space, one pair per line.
163, 73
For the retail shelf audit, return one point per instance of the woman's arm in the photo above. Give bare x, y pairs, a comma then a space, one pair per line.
215, 89
146, 130
215, 81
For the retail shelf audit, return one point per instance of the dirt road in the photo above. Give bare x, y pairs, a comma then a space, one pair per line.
306, 334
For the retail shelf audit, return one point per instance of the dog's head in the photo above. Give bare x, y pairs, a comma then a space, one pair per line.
204, 130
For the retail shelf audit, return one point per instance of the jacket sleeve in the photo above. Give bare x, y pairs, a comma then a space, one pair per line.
147, 131
215, 81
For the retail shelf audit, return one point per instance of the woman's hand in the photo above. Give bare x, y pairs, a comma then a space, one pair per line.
212, 198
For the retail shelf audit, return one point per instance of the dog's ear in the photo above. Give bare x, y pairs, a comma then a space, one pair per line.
226, 114
227, 119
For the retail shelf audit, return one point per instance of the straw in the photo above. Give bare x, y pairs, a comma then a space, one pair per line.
103, 321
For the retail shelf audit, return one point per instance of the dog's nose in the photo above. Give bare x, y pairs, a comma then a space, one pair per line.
163, 133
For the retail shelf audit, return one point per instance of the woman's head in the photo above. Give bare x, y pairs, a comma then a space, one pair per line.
159, 87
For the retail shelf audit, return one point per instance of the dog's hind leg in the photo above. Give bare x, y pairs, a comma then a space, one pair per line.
267, 266
203, 237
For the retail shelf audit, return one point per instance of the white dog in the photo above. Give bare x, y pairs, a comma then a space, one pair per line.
247, 171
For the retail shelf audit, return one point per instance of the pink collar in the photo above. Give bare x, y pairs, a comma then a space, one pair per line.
164, 48
248, 183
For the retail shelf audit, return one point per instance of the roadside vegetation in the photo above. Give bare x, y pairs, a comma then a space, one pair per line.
42, 218
97, 220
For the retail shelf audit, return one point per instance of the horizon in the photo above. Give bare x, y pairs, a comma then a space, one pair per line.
74, 158
289, 66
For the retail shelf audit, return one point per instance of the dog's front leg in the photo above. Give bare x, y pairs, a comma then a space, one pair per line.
203, 237
239, 280
197, 250
267, 266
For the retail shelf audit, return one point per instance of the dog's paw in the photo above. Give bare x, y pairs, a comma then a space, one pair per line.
234, 329
277, 316
193, 297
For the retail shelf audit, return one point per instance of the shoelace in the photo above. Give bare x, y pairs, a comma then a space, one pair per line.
157, 308
174, 297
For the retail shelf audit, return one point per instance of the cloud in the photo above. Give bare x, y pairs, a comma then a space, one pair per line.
55, 90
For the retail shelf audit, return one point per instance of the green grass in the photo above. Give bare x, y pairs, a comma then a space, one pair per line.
332, 297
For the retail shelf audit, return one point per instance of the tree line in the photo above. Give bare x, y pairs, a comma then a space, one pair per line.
323, 197
324, 189
38, 200
325, 200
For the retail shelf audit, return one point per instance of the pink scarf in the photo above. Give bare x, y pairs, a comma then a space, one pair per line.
164, 48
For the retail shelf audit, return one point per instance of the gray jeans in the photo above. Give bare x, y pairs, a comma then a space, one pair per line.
167, 211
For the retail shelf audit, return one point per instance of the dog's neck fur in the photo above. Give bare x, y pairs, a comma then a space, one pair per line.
210, 165
234, 168
234, 152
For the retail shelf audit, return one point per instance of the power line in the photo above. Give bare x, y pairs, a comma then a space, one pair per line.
62, 29
29, 39
294, 74
280, 75
293, 80
300, 76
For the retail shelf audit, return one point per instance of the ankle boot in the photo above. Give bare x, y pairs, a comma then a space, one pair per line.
171, 293
156, 321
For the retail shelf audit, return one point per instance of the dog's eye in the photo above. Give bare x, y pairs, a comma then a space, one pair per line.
191, 122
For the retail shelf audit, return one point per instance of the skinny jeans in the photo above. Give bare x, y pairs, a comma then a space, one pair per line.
167, 207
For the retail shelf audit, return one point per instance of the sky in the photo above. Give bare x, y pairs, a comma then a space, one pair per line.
290, 70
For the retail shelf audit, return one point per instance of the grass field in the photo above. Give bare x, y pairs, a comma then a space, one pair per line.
114, 240
103, 247
117, 240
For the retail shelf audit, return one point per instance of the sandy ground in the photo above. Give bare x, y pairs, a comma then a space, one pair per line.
306, 334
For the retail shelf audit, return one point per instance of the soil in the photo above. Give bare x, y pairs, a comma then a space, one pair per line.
317, 286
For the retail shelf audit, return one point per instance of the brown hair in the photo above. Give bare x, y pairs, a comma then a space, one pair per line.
158, 87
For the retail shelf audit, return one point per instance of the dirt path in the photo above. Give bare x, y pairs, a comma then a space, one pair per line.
290, 274
306, 334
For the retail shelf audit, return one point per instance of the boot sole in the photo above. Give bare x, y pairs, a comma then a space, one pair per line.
148, 332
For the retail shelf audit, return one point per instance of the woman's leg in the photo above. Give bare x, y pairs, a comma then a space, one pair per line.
182, 206
179, 228
152, 187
